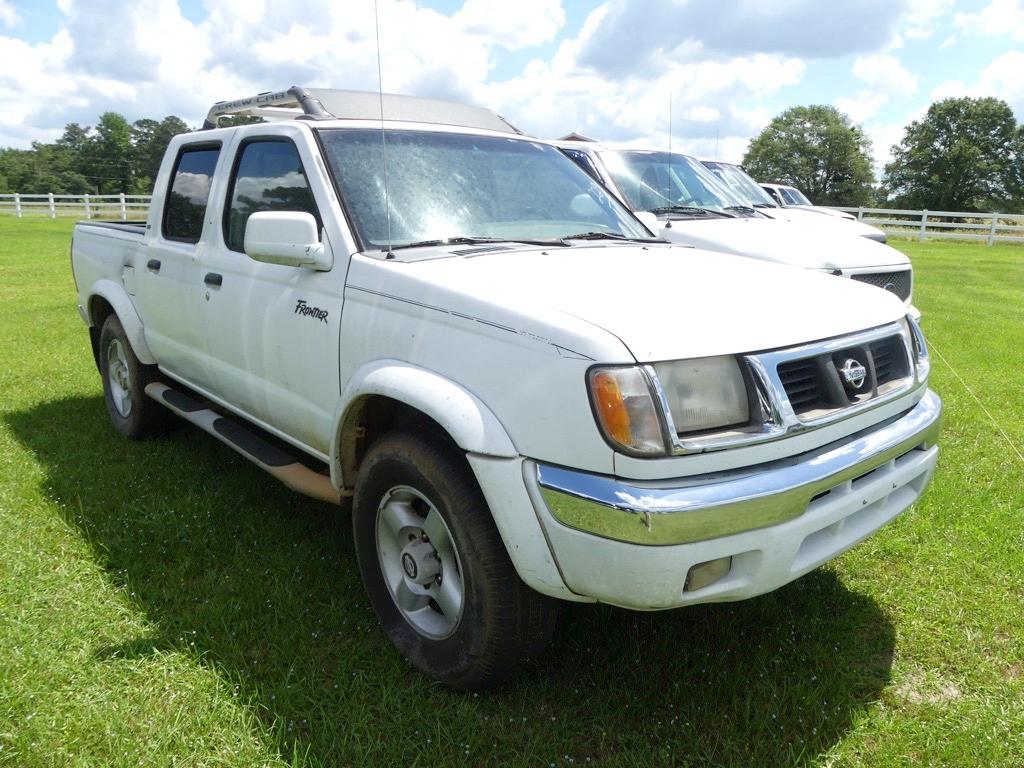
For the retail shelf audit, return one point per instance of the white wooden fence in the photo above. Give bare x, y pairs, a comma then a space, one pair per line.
947, 225
122, 206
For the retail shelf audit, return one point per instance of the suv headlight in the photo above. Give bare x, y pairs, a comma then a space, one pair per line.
704, 393
641, 409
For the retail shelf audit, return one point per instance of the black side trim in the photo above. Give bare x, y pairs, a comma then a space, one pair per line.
181, 401
252, 444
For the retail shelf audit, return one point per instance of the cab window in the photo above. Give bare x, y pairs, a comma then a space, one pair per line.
189, 192
268, 176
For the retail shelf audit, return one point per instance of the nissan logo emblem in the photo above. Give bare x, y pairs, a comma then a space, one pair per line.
853, 373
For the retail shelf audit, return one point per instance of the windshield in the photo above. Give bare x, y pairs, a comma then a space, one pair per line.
452, 186
794, 196
651, 180
740, 183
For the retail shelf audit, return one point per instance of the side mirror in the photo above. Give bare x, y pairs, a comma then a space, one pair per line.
289, 238
649, 220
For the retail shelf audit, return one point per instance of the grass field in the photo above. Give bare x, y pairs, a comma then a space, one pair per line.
167, 603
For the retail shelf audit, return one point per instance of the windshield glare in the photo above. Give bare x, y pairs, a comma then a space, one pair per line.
657, 180
740, 183
794, 196
449, 185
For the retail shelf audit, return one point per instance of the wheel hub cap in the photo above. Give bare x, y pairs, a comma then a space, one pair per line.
419, 562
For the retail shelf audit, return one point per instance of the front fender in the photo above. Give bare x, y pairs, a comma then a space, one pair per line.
115, 295
469, 422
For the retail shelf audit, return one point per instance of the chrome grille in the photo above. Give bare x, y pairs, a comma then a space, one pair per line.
896, 282
814, 385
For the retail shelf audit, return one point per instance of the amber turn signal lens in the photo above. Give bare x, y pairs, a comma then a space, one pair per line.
611, 408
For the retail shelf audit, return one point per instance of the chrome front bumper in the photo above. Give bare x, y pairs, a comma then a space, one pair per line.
710, 507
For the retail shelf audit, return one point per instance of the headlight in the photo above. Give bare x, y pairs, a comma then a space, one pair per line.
704, 393
625, 410
922, 362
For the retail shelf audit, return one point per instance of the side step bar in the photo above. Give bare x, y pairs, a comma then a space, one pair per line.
268, 457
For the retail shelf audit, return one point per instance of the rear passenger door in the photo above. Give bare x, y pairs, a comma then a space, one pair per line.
272, 331
168, 294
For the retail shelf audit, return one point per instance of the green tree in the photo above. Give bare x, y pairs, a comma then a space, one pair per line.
963, 155
149, 140
110, 165
818, 150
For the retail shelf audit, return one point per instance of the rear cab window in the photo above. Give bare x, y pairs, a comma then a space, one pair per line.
268, 176
189, 192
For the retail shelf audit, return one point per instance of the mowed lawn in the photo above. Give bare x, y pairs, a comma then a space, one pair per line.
166, 603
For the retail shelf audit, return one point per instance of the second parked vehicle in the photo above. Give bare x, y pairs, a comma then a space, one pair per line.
693, 207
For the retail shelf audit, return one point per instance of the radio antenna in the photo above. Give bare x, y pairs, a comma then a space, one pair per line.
383, 139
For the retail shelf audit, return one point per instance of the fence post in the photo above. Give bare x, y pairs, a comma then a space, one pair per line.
17, 205
924, 224
53, 208
88, 210
124, 210
860, 213
992, 230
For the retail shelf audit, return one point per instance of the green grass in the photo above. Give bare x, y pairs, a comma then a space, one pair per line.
166, 603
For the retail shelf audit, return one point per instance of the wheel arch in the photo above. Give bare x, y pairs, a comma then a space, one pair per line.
107, 297
391, 394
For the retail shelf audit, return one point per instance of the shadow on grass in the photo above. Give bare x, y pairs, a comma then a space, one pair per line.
263, 585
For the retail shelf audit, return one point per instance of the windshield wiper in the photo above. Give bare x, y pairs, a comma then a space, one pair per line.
745, 209
609, 236
462, 240
765, 205
693, 210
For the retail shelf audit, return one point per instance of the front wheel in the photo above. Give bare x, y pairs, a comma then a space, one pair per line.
435, 567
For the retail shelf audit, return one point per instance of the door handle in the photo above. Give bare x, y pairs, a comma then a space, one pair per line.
153, 265
212, 278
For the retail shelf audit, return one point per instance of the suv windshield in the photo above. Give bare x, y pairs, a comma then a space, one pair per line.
794, 196
456, 186
651, 180
740, 184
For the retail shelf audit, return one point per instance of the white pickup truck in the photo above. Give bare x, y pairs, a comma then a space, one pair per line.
694, 207
741, 184
529, 397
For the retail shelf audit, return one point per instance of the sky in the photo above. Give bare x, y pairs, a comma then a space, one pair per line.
614, 71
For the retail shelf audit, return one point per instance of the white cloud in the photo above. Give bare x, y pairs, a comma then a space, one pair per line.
9, 16
863, 106
923, 17
884, 72
999, 17
512, 25
1001, 79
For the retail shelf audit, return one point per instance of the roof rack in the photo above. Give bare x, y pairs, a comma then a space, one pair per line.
299, 103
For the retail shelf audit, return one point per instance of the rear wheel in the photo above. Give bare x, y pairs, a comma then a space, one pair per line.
435, 567
135, 415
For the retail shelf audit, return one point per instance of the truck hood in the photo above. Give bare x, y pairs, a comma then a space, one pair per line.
662, 302
827, 224
824, 246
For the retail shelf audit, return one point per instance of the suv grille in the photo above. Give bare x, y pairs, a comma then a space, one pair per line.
832, 381
897, 282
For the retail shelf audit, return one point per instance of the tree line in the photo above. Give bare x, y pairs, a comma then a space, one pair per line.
965, 154
111, 157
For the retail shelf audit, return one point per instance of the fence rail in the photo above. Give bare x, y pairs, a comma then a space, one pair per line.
123, 207
946, 225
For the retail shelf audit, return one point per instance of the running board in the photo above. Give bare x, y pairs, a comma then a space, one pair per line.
268, 457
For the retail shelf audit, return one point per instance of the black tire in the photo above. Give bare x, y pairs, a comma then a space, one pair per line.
503, 623
143, 417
